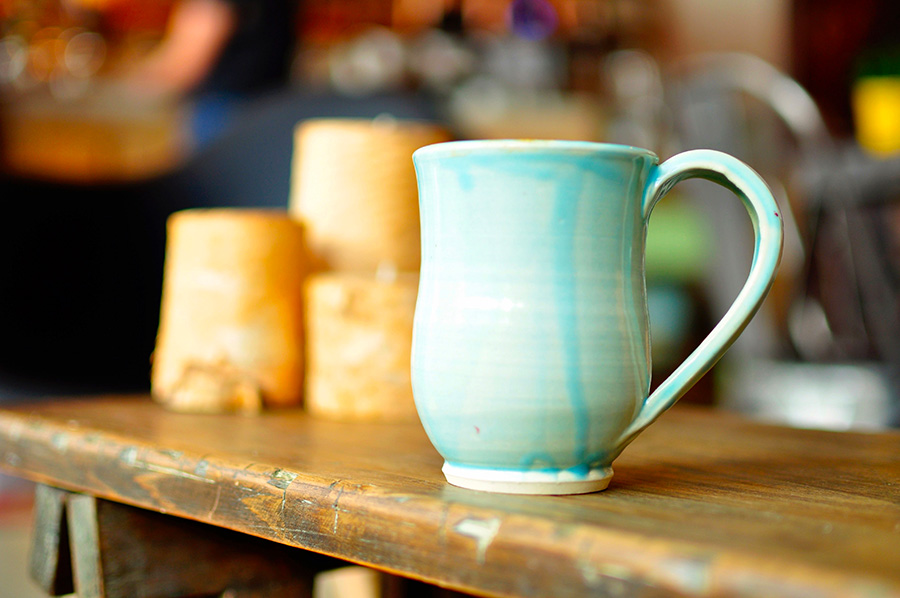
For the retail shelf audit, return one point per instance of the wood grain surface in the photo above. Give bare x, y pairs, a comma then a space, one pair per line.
703, 503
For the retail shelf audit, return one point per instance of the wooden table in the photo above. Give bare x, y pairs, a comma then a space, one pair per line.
703, 503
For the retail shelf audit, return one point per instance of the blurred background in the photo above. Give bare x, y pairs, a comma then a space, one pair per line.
115, 113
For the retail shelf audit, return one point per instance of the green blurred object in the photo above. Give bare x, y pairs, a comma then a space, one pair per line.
677, 257
678, 242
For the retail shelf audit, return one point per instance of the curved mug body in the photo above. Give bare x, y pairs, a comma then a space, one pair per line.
531, 352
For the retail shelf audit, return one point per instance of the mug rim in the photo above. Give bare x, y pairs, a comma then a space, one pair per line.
470, 146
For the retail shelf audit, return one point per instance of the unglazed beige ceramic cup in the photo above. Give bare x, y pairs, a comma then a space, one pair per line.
358, 337
231, 321
354, 187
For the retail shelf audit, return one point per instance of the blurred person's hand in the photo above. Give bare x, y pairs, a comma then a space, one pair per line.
195, 35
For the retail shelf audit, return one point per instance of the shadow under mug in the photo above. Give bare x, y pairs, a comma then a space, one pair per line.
531, 353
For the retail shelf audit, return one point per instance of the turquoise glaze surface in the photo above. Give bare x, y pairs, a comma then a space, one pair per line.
531, 344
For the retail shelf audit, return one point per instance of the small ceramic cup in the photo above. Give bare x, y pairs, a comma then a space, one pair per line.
531, 357
354, 189
231, 317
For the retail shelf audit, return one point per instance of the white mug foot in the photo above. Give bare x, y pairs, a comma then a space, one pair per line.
527, 482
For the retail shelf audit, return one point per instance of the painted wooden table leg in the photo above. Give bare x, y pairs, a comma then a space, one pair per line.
122, 551
102, 549
50, 562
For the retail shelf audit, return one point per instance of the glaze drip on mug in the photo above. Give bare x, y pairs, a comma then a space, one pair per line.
565, 214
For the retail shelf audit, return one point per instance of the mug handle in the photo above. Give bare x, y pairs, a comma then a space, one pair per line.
744, 182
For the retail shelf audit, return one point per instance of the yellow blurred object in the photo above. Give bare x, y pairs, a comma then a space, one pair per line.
876, 108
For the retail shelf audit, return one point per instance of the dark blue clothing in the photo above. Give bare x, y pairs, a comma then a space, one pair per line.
255, 60
258, 55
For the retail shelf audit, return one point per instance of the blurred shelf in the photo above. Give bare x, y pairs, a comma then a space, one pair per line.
102, 136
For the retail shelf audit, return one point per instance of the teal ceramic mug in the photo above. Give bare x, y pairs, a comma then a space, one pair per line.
531, 352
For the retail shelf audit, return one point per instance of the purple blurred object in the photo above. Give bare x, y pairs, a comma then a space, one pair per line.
532, 19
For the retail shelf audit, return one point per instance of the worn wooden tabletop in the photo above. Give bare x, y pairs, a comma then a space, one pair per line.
703, 503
